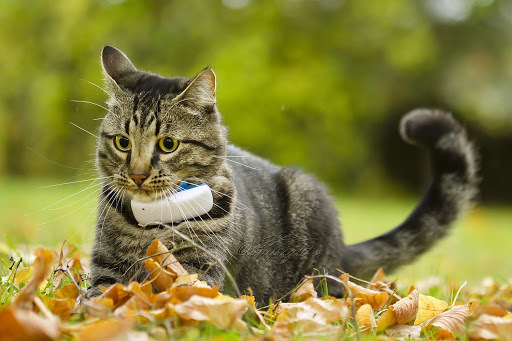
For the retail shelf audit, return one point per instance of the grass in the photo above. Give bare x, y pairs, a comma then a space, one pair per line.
478, 246
34, 214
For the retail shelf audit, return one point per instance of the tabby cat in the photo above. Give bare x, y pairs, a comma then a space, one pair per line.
269, 226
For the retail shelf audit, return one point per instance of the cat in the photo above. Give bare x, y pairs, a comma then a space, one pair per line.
269, 226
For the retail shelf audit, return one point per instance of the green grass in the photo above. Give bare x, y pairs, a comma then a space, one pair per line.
477, 247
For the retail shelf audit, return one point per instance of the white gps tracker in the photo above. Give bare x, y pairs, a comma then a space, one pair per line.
188, 202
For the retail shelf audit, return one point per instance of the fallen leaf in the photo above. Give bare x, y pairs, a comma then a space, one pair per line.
365, 317
429, 307
404, 331
451, 321
23, 275
305, 330
160, 278
386, 320
162, 255
118, 293
221, 313
374, 298
41, 265
62, 307
406, 308
321, 311
184, 293
304, 291
378, 276
189, 279
25, 325
490, 327
110, 329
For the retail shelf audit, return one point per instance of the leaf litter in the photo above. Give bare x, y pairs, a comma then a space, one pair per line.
49, 303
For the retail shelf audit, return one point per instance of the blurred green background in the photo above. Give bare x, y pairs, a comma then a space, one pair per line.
317, 83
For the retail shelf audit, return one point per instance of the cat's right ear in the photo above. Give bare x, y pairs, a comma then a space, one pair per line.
116, 66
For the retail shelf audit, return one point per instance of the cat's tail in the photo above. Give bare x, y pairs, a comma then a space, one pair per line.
453, 188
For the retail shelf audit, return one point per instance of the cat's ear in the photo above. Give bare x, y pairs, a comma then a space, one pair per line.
201, 90
116, 66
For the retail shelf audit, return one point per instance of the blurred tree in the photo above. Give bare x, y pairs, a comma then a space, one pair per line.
316, 83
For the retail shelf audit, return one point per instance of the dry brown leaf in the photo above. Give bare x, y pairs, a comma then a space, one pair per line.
451, 321
429, 307
305, 330
365, 317
490, 327
386, 320
305, 290
407, 307
110, 329
189, 279
378, 276
118, 293
25, 325
161, 254
184, 293
374, 298
42, 266
161, 279
221, 313
489, 309
402, 331
321, 311
68, 291
99, 306
62, 307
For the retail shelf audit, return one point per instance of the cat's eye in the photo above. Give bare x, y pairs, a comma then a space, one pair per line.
122, 143
168, 144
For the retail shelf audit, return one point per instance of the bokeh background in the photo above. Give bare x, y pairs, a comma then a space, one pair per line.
320, 84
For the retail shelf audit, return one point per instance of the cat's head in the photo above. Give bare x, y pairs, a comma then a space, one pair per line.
158, 131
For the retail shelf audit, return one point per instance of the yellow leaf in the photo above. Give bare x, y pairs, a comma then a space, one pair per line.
386, 320
192, 279
365, 317
429, 307
23, 275
407, 307
42, 266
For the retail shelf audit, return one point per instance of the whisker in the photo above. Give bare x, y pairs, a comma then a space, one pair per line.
78, 181
69, 196
238, 163
56, 163
88, 132
96, 104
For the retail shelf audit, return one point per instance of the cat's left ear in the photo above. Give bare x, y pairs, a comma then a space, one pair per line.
201, 90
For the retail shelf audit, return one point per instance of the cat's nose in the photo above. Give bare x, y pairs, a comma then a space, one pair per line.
139, 178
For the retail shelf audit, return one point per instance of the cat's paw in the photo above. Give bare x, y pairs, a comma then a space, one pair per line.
425, 126
93, 292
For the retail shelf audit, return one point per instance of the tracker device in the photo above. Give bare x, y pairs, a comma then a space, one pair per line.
189, 201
